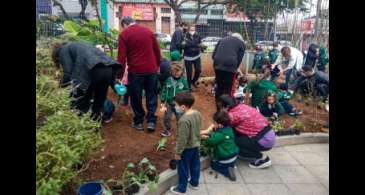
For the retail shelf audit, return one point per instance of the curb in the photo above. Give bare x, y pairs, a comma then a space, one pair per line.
169, 177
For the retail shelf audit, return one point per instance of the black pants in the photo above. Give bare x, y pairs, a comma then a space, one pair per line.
148, 82
101, 79
224, 82
127, 95
189, 71
250, 147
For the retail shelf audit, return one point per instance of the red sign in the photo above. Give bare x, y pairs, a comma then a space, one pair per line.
138, 11
306, 25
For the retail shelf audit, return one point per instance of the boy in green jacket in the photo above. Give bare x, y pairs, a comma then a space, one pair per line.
222, 140
174, 84
187, 143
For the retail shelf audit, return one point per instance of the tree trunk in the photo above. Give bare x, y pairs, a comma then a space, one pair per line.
83, 4
177, 15
318, 14
59, 4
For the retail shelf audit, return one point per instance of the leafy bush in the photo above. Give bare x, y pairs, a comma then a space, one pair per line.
64, 139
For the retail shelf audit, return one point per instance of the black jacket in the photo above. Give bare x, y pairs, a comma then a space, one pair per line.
228, 54
318, 78
192, 45
310, 59
176, 40
77, 60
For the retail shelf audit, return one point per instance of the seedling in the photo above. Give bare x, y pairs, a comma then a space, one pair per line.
162, 144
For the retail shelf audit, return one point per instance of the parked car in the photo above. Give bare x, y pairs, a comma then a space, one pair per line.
164, 38
210, 43
264, 45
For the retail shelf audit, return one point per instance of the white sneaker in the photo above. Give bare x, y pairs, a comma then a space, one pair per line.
193, 187
174, 190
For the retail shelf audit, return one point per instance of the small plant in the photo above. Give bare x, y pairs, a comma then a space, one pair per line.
162, 144
205, 150
298, 125
132, 180
277, 125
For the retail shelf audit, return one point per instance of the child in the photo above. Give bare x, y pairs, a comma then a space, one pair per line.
225, 150
271, 108
240, 92
173, 85
187, 143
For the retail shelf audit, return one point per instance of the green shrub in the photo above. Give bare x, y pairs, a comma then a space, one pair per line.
64, 139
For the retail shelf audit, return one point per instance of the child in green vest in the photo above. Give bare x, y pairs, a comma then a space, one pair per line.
174, 85
221, 138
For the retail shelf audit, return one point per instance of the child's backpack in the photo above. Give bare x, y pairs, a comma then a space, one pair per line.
109, 109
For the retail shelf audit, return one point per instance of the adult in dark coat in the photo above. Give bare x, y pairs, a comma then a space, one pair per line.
312, 55
227, 57
89, 71
178, 37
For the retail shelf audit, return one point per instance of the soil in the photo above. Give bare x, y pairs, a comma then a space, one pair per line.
123, 144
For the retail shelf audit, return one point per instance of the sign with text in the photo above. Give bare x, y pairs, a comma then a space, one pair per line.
138, 11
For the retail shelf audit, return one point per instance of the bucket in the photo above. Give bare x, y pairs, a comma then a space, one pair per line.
91, 188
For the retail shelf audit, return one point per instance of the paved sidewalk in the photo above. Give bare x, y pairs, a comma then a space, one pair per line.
296, 169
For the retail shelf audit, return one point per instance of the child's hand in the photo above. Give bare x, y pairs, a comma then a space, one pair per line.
204, 136
177, 157
163, 108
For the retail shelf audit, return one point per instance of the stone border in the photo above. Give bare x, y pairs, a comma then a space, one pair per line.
169, 177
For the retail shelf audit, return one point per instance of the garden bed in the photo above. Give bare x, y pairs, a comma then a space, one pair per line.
123, 144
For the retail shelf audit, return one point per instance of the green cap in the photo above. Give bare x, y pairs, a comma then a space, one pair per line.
175, 55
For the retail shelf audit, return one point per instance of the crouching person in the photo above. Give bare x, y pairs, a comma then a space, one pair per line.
187, 143
222, 140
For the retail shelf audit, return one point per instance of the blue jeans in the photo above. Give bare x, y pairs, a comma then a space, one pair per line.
136, 83
221, 168
189, 164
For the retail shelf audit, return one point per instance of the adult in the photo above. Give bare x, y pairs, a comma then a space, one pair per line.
312, 55
178, 37
253, 131
139, 47
227, 57
311, 82
89, 71
290, 62
192, 56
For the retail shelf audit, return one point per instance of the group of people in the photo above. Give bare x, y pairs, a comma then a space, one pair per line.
241, 127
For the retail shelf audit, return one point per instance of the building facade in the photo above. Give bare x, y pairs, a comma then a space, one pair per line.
156, 15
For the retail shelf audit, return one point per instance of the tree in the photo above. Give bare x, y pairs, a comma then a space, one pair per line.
59, 5
83, 4
257, 10
175, 5
202, 5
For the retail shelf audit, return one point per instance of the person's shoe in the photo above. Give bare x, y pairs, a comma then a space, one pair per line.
193, 187
151, 127
292, 114
166, 133
298, 111
108, 120
261, 163
139, 126
231, 174
174, 190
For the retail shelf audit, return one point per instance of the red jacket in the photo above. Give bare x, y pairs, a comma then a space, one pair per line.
139, 48
247, 120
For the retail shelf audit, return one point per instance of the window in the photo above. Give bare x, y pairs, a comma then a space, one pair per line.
165, 10
216, 12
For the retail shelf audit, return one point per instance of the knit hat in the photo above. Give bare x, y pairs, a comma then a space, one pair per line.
175, 55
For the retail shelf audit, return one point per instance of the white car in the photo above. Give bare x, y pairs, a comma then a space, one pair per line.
162, 37
210, 43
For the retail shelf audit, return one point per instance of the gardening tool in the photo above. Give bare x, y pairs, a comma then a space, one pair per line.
120, 89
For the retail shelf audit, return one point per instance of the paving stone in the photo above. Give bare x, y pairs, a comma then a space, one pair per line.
319, 171
294, 174
210, 178
202, 190
282, 158
310, 158
228, 189
297, 148
268, 189
318, 147
307, 189
267, 175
